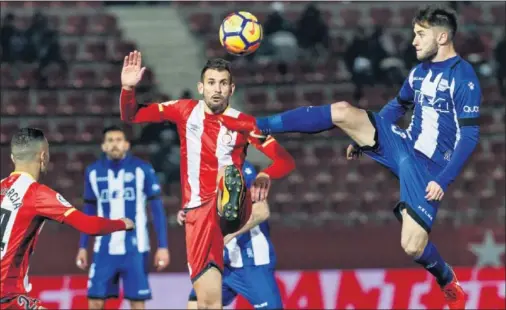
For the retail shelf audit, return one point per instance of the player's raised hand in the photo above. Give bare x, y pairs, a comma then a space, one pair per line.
132, 72
82, 259
261, 186
181, 217
352, 152
162, 259
434, 191
128, 222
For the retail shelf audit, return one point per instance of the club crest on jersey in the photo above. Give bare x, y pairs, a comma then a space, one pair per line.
226, 138
129, 177
63, 201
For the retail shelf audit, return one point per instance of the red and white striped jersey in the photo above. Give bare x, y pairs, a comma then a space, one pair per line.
25, 204
206, 144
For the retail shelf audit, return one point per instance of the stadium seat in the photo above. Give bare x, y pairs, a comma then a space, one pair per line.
381, 16
350, 18
69, 51
76, 25
15, 103
103, 24
47, 103
95, 51
84, 78
7, 130
76, 103
201, 22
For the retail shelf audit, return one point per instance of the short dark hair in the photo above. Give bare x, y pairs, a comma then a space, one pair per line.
434, 15
113, 128
23, 141
217, 64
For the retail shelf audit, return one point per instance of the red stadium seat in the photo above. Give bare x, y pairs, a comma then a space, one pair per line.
103, 24
47, 103
92, 131
7, 130
498, 13
84, 78
201, 22
102, 103
112, 78
76, 25
381, 16
15, 103
27, 78
66, 131
121, 49
95, 51
350, 18
75, 103
471, 14
69, 51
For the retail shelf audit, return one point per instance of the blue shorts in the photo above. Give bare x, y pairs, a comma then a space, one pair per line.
395, 150
106, 270
255, 283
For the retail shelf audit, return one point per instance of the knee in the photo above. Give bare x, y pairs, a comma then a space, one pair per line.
340, 112
96, 304
413, 246
209, 300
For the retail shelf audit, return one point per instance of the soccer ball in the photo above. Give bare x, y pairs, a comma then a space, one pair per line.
241, 33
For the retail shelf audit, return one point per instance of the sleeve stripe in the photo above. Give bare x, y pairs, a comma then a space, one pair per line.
268, 141
469, 122
69, 211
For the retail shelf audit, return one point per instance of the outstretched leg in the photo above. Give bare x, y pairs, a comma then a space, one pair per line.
353, 121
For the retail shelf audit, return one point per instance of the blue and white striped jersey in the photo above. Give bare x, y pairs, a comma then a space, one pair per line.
253, 248
121, 189
446, 96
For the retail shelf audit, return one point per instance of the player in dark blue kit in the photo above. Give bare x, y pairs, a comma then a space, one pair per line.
249, 259
444, 93
119, 185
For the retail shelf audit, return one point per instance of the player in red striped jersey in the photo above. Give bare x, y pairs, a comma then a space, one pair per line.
25, 205
210, 154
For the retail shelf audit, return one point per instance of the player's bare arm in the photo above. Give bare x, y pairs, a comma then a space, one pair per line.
130, 110
260, 212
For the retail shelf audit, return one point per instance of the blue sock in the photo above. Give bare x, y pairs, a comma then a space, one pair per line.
304, 119
434, 263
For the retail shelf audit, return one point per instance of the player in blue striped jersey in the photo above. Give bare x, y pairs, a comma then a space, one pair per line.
119, 185
249, 260
445, 95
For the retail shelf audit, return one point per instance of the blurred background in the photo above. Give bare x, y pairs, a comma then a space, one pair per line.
337, 241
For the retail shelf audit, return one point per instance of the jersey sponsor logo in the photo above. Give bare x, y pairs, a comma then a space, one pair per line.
438, 104
102, 179
470, 85
14, 198
469, 109
128, 194
129, 177
63, 201
427, 95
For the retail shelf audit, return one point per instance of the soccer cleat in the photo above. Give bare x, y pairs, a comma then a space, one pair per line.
233, 193
239, 125
454, 294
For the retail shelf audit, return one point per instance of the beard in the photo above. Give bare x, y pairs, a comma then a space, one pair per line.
429, 54
216, 108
